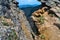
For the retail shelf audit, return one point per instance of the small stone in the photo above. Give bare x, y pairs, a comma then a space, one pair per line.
33, 18
59, 5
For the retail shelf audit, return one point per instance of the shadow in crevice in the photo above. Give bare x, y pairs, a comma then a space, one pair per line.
58, 25
28, 12
33, 26
53, 13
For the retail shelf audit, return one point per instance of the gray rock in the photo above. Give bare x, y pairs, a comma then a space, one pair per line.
51, 3
55, 6
9, 10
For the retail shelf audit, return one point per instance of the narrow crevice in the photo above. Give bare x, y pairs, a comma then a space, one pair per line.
28, 16
58, 25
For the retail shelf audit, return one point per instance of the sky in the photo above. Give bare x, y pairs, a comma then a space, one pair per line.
25, 3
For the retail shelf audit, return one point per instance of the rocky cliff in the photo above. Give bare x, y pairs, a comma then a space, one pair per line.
13, 23
15, 26
54, 4
48, 24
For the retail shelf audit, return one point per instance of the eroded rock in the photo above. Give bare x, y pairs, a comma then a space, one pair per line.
48, 30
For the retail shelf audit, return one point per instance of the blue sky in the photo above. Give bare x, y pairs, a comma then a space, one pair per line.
28, 2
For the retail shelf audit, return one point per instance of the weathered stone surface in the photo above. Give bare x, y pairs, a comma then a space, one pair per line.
13, 20
50, 28
56, 10
54, 4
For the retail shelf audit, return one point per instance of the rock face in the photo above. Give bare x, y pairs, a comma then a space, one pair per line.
51, 3
13, 23
47, 23
55, 4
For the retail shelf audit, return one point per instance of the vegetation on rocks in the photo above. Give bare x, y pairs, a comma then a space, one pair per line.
12, 35
5, 23
15, 26
45, 20
41, 20
42, 36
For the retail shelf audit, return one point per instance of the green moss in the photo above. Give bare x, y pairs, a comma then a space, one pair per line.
12, 35
42, 36
5, 23
41, 19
